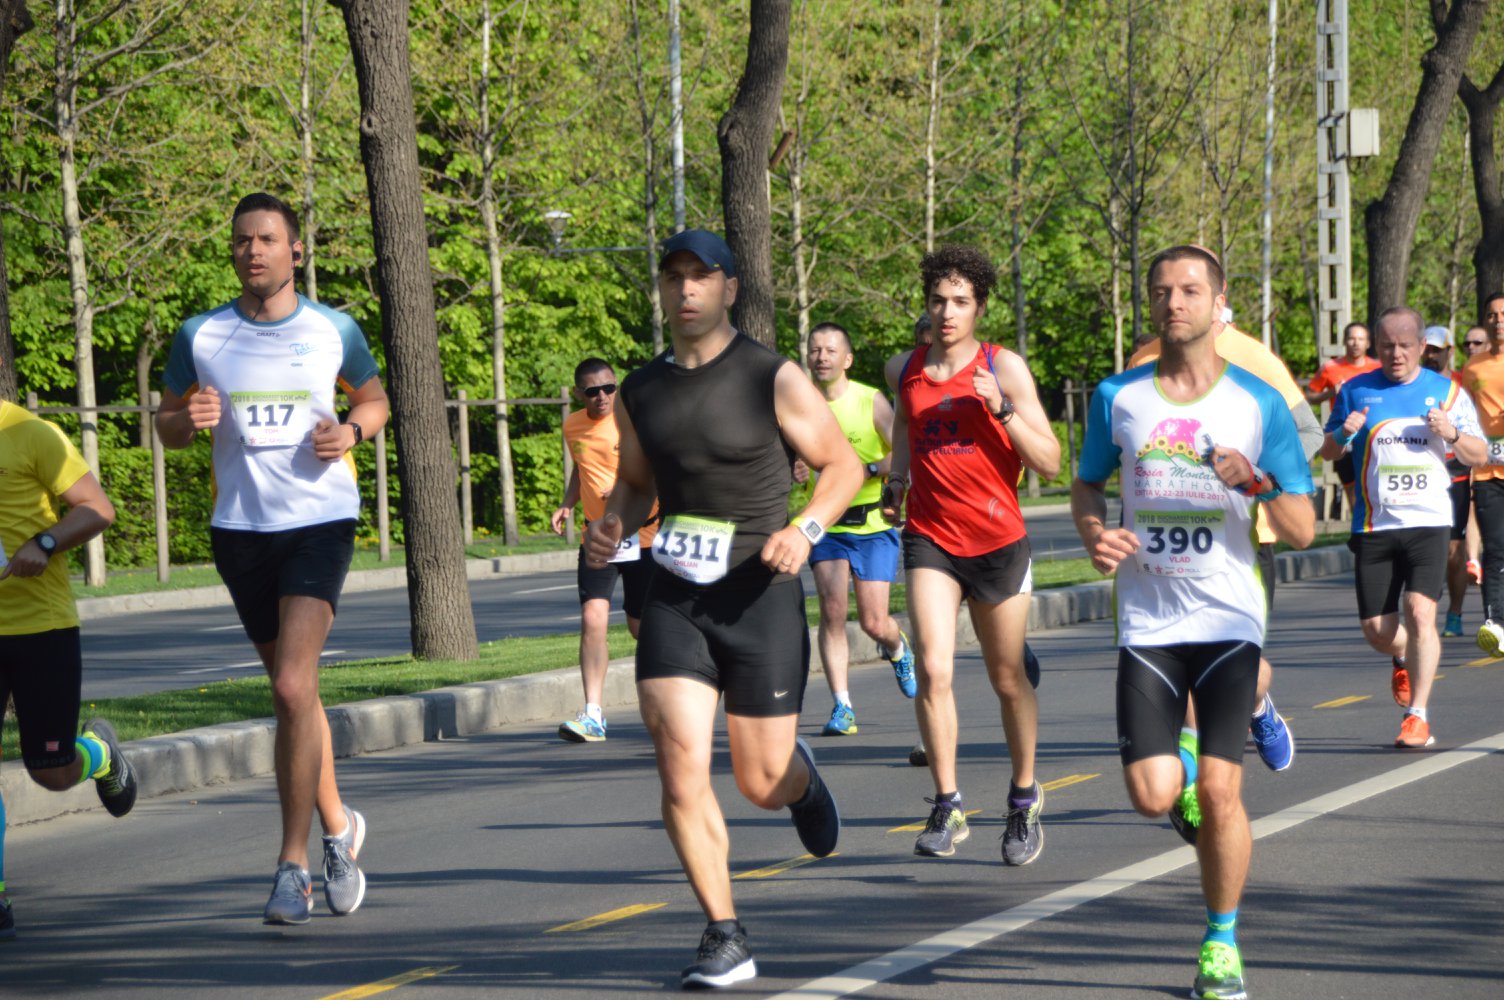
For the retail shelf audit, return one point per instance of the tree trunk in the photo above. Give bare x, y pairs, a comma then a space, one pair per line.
145, 354
1390, 222
509, 529
1488, 254
305, 130
65, 104
801, 259
931, 128
15, 20
443, 624
745, 134
650, 174
1016, 237
1114, 261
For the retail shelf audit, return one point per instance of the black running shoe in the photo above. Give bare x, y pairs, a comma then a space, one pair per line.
815, 816
723, 958
117, 786
7, 920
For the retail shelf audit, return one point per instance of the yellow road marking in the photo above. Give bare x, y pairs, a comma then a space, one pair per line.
1351, 699
917, 827
607, 917
371, 989
782, 866
1486, 661
1067, 781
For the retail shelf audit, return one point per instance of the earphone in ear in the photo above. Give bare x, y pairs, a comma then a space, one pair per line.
297, 256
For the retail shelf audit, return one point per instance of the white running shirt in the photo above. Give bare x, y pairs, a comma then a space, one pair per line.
275, 381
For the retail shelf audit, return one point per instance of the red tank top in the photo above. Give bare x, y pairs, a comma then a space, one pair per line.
963, 469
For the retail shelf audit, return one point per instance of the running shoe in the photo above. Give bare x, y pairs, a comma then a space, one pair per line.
1219, 975
583, 728
918, 756
1415, 733
723, 958
1271, 737
1399, 681
7, 920
1031, 666
842, 721
817, 820
1475, 570
1185, 814
117, 785
292, 896
1023, 838
903, 669
1491, 638
1454, 626
945, 828
344, 882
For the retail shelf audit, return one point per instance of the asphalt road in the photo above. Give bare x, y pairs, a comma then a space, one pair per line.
162, 650
1376, 873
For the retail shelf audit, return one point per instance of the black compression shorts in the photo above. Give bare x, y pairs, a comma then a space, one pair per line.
1462, 506
749, 642
1401, 559
1154, 683
990, 578
599, 584
43, 671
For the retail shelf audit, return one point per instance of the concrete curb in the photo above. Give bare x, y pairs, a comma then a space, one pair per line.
216, 755
386, 578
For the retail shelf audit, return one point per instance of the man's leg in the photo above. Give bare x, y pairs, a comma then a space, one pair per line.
934, 601
1225, 843
872, 612
1488, 500
832, 578
769, 774
680, 716
1000, 631
595, 655
1456, 577
1423, 651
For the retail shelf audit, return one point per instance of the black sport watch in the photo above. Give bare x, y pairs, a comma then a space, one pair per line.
46, 543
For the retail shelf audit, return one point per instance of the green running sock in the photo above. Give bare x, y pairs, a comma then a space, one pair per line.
95, 754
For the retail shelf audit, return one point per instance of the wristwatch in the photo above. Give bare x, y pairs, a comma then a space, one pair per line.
46, 543
809, 528
871, 469
360, 435
1005, 414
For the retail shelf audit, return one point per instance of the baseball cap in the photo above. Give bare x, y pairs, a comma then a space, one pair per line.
710, 248
1438, 336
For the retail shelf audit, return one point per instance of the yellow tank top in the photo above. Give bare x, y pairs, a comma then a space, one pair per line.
854, 413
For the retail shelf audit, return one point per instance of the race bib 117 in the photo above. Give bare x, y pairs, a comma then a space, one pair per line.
278, 419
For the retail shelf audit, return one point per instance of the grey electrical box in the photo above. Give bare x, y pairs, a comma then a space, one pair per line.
1363, 132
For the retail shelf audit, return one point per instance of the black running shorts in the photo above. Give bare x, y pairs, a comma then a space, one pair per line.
1401, 559
1154, 683
262, 567
749, 642
599, 584
1347, 473
990, 578
1462, 506
1267, 567
43, 671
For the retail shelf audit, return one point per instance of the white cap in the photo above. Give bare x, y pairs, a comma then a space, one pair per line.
1438, 336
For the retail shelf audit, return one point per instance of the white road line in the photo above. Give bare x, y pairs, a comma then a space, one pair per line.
545, 590
332, 652
229, 666
222, 628
943, 946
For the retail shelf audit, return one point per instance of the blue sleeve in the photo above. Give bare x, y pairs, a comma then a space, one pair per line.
1282, 453
358, 367
1100, 454
1340, 410
181, 374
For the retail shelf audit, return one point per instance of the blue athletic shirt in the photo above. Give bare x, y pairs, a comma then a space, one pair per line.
1195, 577
1403, 480
275, 382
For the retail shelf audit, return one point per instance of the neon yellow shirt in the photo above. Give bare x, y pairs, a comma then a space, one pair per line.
853, 412
37, 464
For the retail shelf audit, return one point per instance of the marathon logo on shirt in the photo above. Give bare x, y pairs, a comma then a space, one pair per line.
940, 438
299, 350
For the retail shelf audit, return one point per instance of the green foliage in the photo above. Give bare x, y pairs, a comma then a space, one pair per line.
539, 463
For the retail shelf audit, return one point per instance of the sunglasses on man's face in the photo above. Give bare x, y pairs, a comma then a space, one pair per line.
609, 389
1475, 343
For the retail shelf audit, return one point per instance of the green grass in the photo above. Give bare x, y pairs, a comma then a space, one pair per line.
141, 581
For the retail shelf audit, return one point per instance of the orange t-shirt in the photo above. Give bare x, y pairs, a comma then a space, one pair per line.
1483, 376
595, 446
1339, 370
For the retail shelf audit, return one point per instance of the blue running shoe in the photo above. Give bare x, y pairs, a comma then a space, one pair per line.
1454, 626
903, 669
583, 729
842, 721
1031, 666
1272, 737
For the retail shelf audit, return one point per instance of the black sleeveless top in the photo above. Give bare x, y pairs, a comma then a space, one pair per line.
711, 436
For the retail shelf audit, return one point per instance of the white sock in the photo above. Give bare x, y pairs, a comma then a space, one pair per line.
1417, 711
896, 654
594, 711
843, 698
1263, 707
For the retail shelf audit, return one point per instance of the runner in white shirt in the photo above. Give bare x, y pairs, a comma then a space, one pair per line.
1197, 441
260, 373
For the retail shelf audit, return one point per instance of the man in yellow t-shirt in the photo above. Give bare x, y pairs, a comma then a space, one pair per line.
591, 436
1270, 734
1483, 376
41, 663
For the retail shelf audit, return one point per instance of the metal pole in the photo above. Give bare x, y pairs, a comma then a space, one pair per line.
1333, 205
467, 504
159, 491
383, 514
568, 465
676, 96
1267, 299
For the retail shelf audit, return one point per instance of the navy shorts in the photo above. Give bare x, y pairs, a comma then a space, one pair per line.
872, 557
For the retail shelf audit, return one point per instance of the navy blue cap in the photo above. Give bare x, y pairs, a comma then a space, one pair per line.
710, 248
